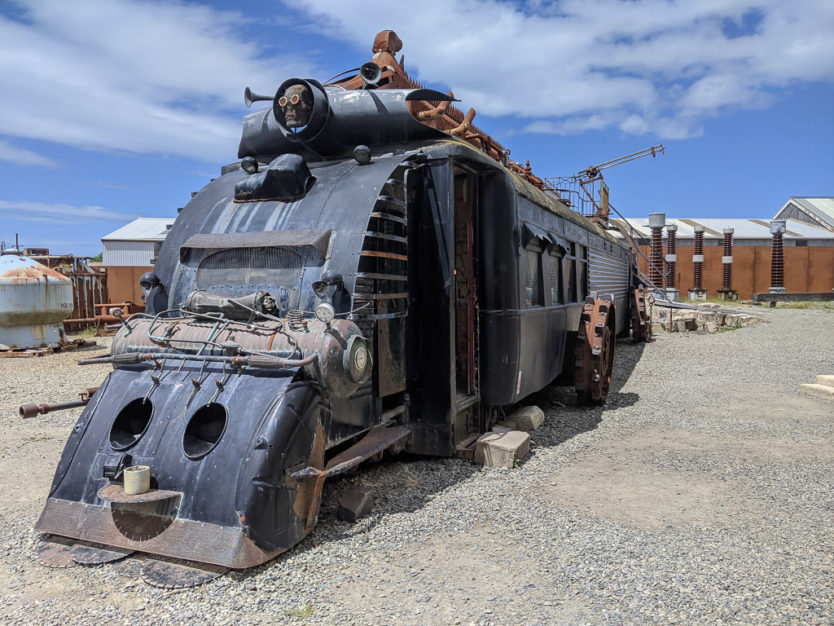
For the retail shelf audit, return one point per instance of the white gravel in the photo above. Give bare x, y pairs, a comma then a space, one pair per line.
701, 493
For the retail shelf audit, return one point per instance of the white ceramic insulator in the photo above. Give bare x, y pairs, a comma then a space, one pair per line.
137, 479
726, 260
671, 258
697, 258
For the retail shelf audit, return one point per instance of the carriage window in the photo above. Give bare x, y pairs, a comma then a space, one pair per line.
582, 260
534, 293
570, 278
556, 296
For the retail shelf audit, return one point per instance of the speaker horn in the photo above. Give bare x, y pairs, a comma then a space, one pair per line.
370, 73
249, 97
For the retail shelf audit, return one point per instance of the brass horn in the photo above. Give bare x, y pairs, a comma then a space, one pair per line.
370, 73
249, 97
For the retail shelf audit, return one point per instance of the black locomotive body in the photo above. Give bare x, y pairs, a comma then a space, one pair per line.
456, 288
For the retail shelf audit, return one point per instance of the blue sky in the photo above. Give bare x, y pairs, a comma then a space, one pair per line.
114, 109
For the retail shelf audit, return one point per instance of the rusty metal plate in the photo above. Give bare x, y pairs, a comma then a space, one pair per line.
177, 574
116, 493
375, 441
55, 551
88, 554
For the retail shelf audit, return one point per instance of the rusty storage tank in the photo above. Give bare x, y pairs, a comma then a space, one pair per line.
34, 301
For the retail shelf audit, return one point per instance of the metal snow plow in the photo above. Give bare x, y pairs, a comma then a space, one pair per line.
232, 419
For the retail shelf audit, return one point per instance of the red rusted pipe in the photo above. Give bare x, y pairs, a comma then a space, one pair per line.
777, 259
671, 255
698, 259
727, 259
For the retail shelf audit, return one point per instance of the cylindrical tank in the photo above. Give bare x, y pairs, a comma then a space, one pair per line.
34, 301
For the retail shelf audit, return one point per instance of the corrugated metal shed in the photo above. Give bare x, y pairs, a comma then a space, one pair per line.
819, 211
746, 231
142, 229
135, 244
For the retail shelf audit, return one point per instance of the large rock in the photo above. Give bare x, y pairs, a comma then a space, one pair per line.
527, 418
825, 379
502, 449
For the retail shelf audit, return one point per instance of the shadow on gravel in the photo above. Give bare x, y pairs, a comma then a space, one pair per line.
405, 483
564, 419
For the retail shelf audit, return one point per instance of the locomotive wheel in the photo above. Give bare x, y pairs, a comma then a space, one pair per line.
594, 353
641, 325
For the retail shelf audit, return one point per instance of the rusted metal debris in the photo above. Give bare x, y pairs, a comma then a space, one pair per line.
33, 410
594, 350
641, 323
440, 115
89, 284
61, 346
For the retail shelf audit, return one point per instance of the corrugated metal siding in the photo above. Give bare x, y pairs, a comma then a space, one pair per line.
127, 253
608, 274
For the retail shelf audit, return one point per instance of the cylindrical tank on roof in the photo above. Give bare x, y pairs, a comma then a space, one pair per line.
34, 301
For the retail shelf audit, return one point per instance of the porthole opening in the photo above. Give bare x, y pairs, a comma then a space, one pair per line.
130, 424
204, 430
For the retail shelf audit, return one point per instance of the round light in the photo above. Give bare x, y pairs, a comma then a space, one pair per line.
249, 165
358, 360
325, 313
362, 154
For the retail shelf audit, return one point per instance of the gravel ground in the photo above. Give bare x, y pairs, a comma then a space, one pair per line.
701, 493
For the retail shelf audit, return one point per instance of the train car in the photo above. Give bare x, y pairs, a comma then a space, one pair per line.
358, 281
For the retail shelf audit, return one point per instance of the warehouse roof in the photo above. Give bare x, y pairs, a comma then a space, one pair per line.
142, 229
742, 228
818, 210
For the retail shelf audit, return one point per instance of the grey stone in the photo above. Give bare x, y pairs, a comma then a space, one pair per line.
527, 418
501, 449
354, 504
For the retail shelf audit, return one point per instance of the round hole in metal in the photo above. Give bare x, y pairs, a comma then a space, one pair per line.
204, 430
130, 424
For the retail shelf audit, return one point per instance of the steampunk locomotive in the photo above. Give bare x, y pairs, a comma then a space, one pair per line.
373, 274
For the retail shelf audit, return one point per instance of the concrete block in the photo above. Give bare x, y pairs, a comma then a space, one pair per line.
710, 327
821, 391
825, 379
502, 449
501, 427
527, 418
354, 504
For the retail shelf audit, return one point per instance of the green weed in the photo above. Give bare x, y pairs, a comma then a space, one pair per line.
307, 611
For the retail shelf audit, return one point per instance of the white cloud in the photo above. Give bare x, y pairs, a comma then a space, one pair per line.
59, 213
646, 66
139, 77
22, 156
